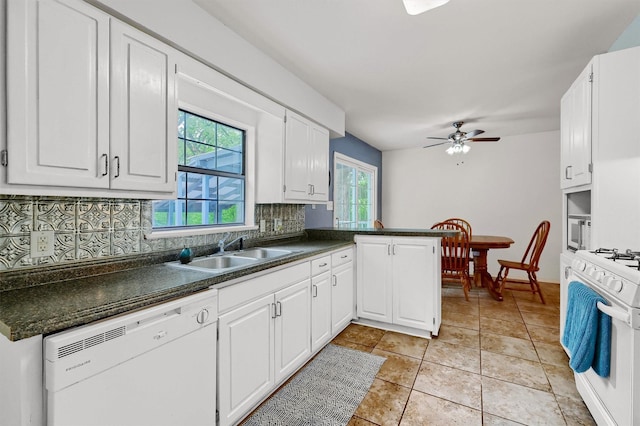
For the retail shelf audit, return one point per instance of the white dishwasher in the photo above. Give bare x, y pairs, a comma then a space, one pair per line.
156, 366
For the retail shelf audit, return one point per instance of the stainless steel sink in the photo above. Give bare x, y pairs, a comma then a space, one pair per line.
221, 263
262, 253
216, 264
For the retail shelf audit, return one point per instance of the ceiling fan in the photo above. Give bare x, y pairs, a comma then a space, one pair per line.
458, 138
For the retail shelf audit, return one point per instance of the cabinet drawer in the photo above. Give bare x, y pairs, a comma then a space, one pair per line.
321, 265
246, 291
341, 257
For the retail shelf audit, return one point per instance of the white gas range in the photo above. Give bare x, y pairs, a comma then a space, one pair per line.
615, 275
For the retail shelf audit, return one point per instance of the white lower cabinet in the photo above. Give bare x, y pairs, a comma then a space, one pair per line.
261, 341
245, 356
270, 325
293, 328
320, 310
398, 281
332, 292
374, 280
342, 290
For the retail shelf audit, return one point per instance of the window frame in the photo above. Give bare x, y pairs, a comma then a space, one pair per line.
249, 181
340, 158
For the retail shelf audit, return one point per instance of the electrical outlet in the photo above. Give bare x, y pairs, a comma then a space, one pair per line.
263, 225
277, 224
42, 243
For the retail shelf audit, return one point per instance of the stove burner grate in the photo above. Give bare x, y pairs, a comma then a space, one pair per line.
632, 258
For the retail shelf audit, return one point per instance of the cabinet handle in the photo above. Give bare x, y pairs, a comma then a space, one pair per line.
394, 249
315, 290
335, 280
117, 160
322, 265
566, 271
344, 256
310, 189
313, 190
106, 164
278, 309
567, 175
388, 249
275, 313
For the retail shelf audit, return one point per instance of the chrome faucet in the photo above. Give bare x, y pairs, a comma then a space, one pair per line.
222, 244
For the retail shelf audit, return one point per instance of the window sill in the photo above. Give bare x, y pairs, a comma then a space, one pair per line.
170, 233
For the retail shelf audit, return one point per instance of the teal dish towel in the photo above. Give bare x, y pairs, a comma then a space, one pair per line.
587, 331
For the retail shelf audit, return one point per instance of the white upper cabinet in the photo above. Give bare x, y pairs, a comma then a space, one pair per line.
143, 111
319, 163
306, 160
576, 131
616, 208
297, 156
58, 94
296, 168
90, 103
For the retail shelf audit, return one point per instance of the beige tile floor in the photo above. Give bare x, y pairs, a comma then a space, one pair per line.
493, 363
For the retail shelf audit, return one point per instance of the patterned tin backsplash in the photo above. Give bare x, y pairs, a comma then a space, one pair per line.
88, 229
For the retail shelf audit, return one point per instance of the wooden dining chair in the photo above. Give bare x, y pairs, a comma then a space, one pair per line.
467, 227
455, 255
529, 263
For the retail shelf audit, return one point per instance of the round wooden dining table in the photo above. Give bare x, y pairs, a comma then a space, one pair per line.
480, 246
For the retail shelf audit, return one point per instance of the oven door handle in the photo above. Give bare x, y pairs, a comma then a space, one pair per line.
618, 314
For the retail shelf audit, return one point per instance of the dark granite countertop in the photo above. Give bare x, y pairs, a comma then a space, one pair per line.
55, 306
45, 302
349, 234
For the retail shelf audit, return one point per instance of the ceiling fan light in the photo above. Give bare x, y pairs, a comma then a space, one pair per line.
416, 7
465, 148
451, 150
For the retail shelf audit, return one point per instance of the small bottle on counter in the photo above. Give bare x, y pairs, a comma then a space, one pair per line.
186, 255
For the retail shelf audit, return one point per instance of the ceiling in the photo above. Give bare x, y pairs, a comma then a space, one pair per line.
499, 65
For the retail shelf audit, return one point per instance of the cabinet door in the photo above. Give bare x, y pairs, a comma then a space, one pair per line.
57, 93
342, 297
143, 112
414, 271
245, 350
320, 310
296, 164
374, 278
576, 113
293, 328
319, 164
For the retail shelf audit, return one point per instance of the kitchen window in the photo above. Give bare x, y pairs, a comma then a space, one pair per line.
211, 176
354, 192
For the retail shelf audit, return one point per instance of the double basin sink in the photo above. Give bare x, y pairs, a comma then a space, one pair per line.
219, 263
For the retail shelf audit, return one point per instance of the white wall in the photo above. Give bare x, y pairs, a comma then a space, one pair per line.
503, 188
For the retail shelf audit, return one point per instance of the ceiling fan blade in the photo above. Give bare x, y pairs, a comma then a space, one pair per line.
435, 144
433, 137
474, 133
483, 139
